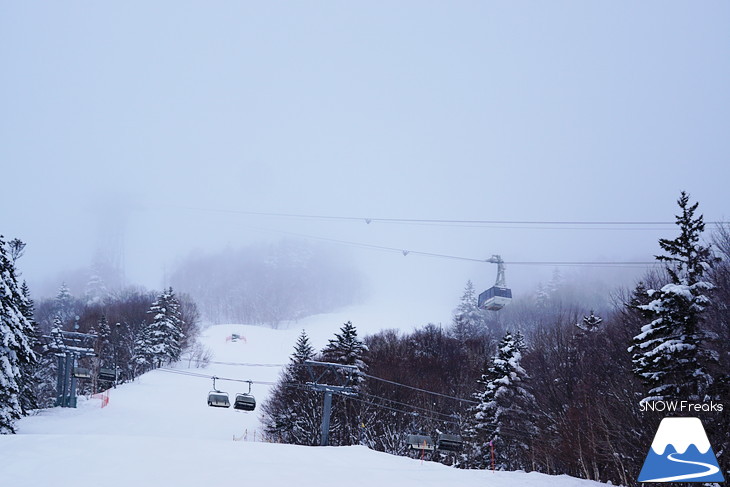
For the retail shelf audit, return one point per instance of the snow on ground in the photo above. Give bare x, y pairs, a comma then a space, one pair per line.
159, 431
368, 319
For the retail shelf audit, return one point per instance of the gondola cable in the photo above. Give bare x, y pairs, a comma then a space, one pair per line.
437, 221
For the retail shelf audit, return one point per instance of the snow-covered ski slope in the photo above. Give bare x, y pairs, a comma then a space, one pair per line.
159, 431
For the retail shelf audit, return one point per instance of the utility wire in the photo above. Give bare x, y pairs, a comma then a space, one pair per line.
440, 221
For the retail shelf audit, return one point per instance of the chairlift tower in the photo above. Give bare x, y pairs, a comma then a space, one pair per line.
343, 388
68, 347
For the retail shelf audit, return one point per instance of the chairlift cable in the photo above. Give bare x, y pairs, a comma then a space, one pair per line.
431, 417
241, 364
428, 413
245, 364
418, 389
409, 413
404, 404
208, 376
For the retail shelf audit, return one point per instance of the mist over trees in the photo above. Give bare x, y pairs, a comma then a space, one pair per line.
268, 284
556, 380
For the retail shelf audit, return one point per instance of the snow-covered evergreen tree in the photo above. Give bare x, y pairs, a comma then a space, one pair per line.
30, 372
103, 349
16, 249
65, 305
669, 354
503, 415
142, 357
96, 291
103, 345
542, 296
346, 348
468, 318
292, 414
303, 351
15, 346
556, 282
590, 323
163, 336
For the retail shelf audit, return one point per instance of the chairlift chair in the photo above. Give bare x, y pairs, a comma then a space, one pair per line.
420, 442
81, 373
499, 295
449, 442
218, 399
109, 375
245, 401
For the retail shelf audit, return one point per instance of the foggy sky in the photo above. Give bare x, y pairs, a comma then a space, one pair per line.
124, 122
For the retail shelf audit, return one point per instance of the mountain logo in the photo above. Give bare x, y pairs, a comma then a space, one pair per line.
681, 452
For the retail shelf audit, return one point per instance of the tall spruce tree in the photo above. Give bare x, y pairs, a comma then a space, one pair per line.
163, 336
504, 413
96, 292
292, 414
65, 305
468, 318
670, 354
15, 346
31, 372
346, 349
143, 356
16, 248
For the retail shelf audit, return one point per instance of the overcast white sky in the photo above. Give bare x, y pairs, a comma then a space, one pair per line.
456, 110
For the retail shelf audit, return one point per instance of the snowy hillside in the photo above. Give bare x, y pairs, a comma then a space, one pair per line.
159, 431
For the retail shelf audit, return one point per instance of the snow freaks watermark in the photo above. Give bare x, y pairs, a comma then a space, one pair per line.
681, 451
681, 407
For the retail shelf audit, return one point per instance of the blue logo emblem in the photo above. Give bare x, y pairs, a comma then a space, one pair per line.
681, 452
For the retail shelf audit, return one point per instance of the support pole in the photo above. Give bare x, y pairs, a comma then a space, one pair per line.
325, 435
69, 346
67, 380
72, 392
60, 374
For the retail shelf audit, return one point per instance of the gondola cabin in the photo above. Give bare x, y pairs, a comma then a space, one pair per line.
218, 399
420, 442
449, 442
244, 402
495, 298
